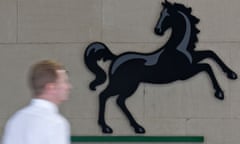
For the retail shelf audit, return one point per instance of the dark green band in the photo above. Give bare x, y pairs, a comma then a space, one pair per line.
137, 139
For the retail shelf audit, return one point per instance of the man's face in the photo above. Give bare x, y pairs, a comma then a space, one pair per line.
62, 86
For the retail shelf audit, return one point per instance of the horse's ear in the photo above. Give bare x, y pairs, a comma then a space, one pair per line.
163, 4
166, 3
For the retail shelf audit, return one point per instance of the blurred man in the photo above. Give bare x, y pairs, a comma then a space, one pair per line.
40, 122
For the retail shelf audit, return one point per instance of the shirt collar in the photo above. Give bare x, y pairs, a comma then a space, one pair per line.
44, 104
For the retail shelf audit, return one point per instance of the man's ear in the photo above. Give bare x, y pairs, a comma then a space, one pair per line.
49, 87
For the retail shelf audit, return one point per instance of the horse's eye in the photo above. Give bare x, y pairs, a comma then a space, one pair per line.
165, 13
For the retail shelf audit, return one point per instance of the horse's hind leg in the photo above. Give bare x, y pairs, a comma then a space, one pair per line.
121, 103
104, 95
200, 55
195, 69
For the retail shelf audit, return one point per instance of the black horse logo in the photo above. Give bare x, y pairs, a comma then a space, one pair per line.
176, 60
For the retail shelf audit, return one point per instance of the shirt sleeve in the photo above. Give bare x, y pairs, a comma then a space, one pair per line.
6, 138
9, 133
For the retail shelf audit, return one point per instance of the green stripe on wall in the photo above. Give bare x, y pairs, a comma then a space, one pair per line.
137, 139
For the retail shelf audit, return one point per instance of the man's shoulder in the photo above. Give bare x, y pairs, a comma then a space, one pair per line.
19, 112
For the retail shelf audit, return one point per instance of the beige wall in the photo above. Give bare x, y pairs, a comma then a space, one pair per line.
31, 30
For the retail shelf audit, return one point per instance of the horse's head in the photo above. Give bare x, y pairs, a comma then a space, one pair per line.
166, 18
173, 15
164, 21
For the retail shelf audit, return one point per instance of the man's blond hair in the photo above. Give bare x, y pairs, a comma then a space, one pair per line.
41, 74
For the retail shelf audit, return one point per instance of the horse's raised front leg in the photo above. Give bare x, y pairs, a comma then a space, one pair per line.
104, 95
200, 55
121, 103
195, 69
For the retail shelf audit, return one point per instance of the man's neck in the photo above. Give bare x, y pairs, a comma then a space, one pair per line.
47, 97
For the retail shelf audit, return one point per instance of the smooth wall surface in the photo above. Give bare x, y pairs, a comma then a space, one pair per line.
32, 30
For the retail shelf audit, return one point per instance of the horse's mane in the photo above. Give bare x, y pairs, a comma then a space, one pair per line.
194, 21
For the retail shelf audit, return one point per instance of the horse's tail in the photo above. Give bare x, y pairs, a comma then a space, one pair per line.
94, 52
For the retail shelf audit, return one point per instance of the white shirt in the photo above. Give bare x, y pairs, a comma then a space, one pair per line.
38, 123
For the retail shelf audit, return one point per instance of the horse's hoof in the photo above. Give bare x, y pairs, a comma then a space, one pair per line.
107, 130
219, 95
232, 75
139, 130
